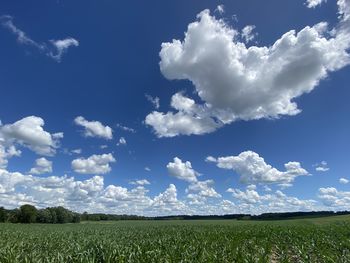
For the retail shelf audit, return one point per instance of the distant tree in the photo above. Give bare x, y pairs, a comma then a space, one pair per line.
44, 216
76, 218
85, 216
94, 217
3, 215
28, 214
53, 214
14, 216
63, 215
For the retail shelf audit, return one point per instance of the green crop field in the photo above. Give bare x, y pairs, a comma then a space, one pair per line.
303, 240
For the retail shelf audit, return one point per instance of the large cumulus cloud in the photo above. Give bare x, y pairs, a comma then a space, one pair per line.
237, 82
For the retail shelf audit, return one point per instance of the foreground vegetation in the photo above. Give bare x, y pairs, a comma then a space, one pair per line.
310, 240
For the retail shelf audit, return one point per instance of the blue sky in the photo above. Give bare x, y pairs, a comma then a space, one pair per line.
116, 107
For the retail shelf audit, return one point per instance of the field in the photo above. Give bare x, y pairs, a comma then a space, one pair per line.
302, 240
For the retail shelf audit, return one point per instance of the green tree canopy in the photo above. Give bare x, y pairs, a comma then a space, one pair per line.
3, 214
28, 214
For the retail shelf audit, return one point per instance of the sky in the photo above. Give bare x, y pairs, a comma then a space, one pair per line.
175, 107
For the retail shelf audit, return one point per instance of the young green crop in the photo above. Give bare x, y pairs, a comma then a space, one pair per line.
177, 241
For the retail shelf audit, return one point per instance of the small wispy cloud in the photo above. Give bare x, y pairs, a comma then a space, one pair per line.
220, 9
314, 3
53, 49
125, 128
121, 141
76, 151
321, 167
22, 38
140, 182
343, 181
62, 46
153, 100
247, 33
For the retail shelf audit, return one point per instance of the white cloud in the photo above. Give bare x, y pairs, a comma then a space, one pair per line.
29, 132
22, 38
125, 128
251, 187
147, 169
203, 189
76, 151
168, 202
71, 152
249, 196
95, 164
114, 193
8, 181
321, 167
42, 166
239, 83
170, 124
93, 195
220, 9
267, 189
182, 170
190, 119
210, 159
228, 206
7, 153
253, 169
344, 11
250, 201
331, 197
285, 185
55, 51
343, 181
153, 100
140, 182
247, 33
94, 128
89, 195
62, 46
197, 191
314, 3
122, 141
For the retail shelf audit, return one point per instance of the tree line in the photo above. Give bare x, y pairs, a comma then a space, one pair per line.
60, 215
30, 214
27, 214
